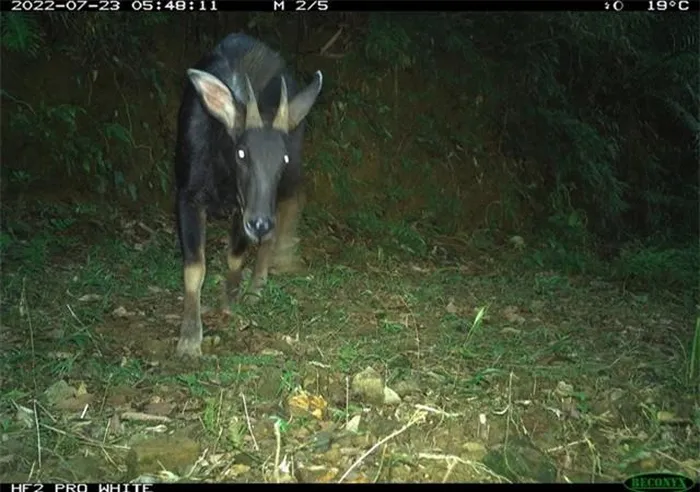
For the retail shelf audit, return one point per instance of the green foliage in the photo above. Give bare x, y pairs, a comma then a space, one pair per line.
58, 128
566, 244
599, 114
598, 110
394, 235
388, 42
118, 37
694, 359
94, 152
657, 267
605, 109
20, 33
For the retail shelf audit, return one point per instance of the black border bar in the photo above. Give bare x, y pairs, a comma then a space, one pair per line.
657, 7
480, 5
165, 487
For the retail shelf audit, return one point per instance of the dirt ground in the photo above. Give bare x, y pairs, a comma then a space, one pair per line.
374, 364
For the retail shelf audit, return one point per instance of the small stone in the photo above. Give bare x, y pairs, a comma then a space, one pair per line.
405, 388
369, 385
59, 391
333, 455
238, 469
616, 394
475, 450
648, 464
353, 424
121, 312
173, 453
25, 416
666, 417
564, 389
391, 397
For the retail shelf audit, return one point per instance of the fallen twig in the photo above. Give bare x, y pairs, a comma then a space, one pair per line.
416, 418
477, 466
331, 41
144, 417
24, 311
429, 409
334, 56
250, 426
278, 448
450, 466
84, 439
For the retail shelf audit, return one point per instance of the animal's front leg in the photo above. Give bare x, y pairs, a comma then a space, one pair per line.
191, 231
262, 266
285, 258
235, 255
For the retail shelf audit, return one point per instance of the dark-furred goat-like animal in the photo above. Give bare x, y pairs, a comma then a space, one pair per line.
239, 142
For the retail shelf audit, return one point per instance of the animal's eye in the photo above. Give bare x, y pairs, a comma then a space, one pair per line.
241, 154
286, 159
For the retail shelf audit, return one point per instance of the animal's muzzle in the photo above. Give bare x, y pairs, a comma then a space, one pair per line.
258, 228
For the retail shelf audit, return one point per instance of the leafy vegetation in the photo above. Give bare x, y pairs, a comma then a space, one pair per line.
600, 123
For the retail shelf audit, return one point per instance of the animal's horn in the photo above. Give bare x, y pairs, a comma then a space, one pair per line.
252, 114
282, 119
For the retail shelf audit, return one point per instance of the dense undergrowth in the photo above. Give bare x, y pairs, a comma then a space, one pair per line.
573, 131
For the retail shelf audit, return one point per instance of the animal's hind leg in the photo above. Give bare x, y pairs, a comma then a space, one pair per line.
235, 255
285, 257
191, 221
262, 266
278, 249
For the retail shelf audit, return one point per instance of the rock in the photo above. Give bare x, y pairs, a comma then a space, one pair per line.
25, 416
665, 417
391, 397
316, 474
353, 424
405, 388
269, 383
76, 403
333, 455
172, 453
474, 451
615, 394
564, 389
244, 459
238, 469
321, 441
59, 391
369, 386
521, 461
159, 408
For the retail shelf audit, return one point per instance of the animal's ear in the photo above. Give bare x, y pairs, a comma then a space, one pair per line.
300, 106
215, 96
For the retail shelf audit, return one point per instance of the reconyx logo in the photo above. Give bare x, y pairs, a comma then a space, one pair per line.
652, 482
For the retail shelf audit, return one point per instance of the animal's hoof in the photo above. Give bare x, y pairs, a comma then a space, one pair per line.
189, 348
287, 263
232, 296
227, 304
252, 298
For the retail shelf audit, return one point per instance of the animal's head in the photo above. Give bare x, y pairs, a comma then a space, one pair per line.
261, 147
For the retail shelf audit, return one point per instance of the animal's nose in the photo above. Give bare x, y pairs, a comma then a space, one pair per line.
259, 227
